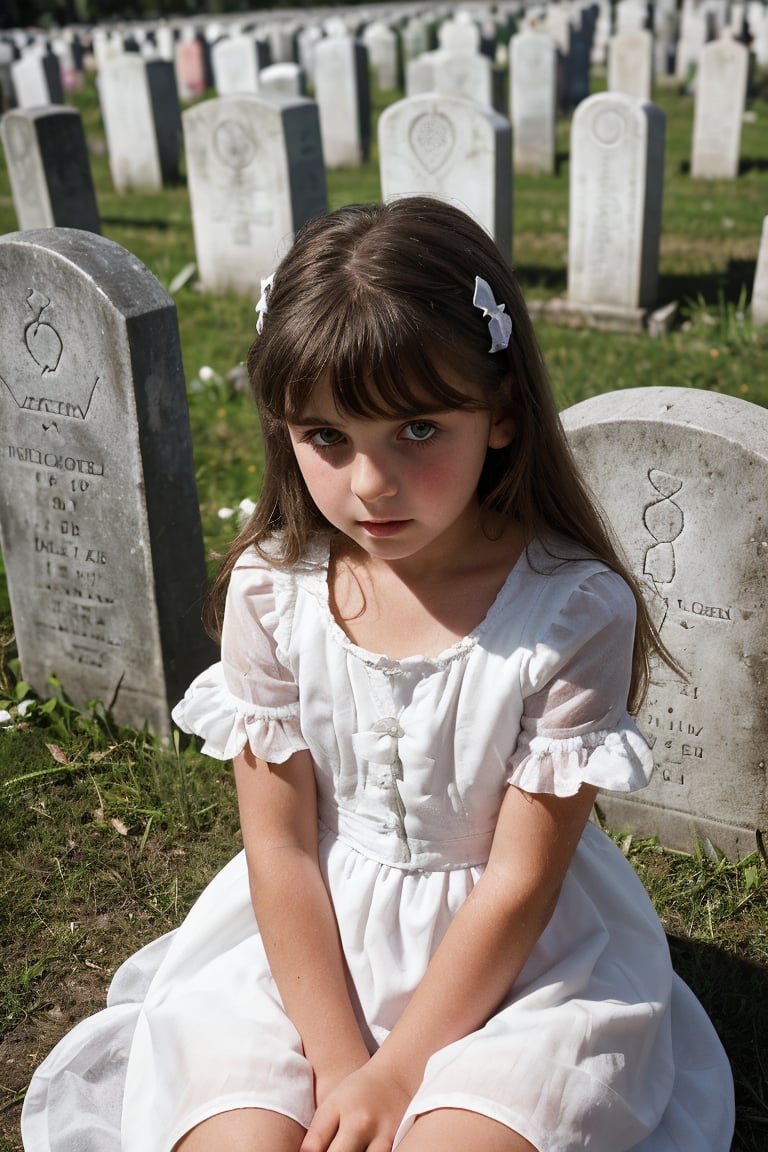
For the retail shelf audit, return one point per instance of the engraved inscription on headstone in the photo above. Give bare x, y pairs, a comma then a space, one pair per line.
99, 519
432, 140
255, 174
682, 475
452, 148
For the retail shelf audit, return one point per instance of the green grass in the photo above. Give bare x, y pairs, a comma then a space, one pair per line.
106, 836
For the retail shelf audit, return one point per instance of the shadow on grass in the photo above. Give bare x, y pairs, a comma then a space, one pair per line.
538, 276
746, 164
735, 994
712, 287
752, 164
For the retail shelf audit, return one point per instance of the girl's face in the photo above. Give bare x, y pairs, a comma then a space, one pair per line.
398, 487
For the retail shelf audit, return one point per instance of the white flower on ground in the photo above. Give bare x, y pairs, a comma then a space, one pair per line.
225, 513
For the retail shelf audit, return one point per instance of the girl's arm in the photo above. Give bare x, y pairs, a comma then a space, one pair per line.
472, 970
278, 815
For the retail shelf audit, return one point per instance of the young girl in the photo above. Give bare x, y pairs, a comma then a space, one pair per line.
430, 649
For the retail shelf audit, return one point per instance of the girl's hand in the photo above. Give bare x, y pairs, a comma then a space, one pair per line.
361, 1115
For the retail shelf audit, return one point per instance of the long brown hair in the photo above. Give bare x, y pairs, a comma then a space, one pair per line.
373, 298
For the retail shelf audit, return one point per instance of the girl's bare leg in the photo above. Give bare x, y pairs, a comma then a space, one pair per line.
454, 1130
244, 1130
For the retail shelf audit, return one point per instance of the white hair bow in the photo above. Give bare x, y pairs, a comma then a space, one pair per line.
499, 324
262, 306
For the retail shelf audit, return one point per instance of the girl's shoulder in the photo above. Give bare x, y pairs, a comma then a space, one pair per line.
567, 579
268, 556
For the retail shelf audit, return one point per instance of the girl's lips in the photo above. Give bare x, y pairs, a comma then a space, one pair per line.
383, 527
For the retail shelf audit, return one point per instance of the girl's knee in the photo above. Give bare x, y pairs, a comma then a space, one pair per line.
243, 1130
455, 1130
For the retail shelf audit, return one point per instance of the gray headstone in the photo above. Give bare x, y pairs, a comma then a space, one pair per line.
383, 47
455, 149
342, 91
616, 185
142, 121
721, 93
285, 80
7, 90
99, 517
630, 63
37, 79
235, 64
759, 305
682, 476
255, 174
459, 34
49, 168
533, 101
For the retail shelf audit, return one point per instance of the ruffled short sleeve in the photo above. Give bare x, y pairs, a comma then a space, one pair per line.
575, 683
250, 696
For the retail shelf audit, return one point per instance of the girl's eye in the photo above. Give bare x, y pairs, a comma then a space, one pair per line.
324, 437
419, 430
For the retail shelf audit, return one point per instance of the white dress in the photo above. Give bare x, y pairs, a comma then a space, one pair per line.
598, 1044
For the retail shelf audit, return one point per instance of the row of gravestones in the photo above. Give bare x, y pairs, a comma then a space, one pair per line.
255, 171
397, 31
558, 56
101, 536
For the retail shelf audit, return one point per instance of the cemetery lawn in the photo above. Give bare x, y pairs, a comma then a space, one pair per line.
107, 836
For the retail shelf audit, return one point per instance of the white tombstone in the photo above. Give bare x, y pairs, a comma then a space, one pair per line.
235, 63
682, 476
533, 101
630, 63
759, 308
286, 80
342, 91
37, 79
470, 75
455, 149
164, 41
721, 92
616, 183
142, 122
383, 55
255, 174
337, 26
459, 35
70, 74
631, 16
757, 19
106, 45
306, 42
695, 30
415, 37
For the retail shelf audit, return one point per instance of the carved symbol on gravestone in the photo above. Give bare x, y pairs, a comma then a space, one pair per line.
664, 520
608, 127
45, 349
432, 139
233, 145
43, 342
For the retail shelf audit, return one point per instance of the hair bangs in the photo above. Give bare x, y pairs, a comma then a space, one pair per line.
377, 354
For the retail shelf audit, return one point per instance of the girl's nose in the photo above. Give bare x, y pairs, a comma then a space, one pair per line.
372, 479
